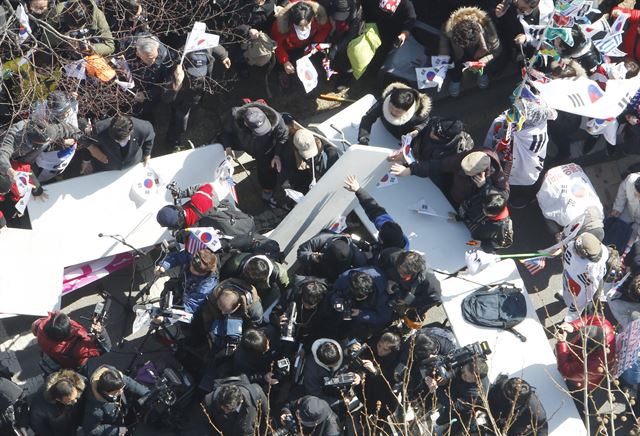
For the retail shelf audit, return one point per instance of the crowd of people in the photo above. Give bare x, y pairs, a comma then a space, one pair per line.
338, 343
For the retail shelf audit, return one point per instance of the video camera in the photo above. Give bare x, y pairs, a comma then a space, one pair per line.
442, 368
289, 427
100, 313
282, 369
167, 399
340, 381
344, 307
176, 193
227, 333
289, 329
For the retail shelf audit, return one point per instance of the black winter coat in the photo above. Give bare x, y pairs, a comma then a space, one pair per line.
240, 138
140, 145
318, 244
327, 423
104, 418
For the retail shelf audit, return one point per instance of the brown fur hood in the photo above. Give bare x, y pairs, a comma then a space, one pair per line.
94, 381
466, 13
73, 377
282, 17
423, 100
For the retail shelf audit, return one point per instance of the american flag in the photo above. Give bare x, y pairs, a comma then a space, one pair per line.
534, 264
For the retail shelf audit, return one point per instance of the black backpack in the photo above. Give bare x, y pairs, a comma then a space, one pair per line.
242, 381
231, 222
502, 306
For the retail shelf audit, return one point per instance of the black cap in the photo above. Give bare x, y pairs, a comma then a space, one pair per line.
197, 63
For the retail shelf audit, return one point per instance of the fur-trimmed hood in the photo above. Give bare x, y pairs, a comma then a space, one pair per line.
422, 106
238, 114
78, 382
94, 381
466, 13
282, 17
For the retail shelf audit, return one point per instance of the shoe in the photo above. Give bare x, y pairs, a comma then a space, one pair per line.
454, 89
483, 81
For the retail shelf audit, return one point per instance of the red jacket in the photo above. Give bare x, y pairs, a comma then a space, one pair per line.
73, 352
202, 200
631, 41
284, 34
570, 363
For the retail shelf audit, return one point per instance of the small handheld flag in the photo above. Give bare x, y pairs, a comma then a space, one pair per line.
202, 237
534, 264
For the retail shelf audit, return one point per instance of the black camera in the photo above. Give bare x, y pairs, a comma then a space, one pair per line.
343, 306
442, 368
341, 381
289, 427
282, 369
289, 329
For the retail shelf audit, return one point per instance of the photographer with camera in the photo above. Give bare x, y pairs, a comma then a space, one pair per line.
267, 276
411, 282
462, 405
86, 27
229, 310
258, 357
324, 372
516, 408
302, 311
426, 351
237, 407
328, 255
110, 403
360, 303
175, 217
66, 344
14, 407
197, 278
57, 408
311, 415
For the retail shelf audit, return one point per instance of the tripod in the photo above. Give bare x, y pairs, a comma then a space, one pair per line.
153, 328
133, 299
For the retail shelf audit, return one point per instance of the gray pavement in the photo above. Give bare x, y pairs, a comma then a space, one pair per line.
477, 109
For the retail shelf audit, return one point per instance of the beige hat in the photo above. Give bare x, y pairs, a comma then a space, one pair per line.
305, 144
475, 163
588, 246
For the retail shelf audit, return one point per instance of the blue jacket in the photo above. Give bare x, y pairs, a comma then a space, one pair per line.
375, 310
194, 288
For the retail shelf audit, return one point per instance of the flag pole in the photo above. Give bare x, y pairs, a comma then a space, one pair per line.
522, 255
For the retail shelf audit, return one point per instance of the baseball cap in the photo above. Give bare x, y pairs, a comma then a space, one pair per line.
475, 162
256, 120
305, 143
197, 63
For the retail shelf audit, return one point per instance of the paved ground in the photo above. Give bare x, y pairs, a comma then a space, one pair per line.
477, 109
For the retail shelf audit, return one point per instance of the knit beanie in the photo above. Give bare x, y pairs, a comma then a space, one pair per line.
168, 216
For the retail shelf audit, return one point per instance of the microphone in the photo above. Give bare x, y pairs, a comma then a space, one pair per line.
100, 235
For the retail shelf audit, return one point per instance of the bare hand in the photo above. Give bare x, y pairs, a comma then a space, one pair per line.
356, 347
12, 173
631, 119
289, 68
145, 160
561, 335
178, 76
351, 184
413, 133
86, 167
254, 33
614, 213
355, 312
500, 10
96, 327
369, 366
479, 179
357, 379
98, 154
42, 197
567, 327
402, 37
227, 63
268, 377
431, 384
400, 170
451, 216
283, 319
139, 97
158, 270
396, 156
520, 39
276, 163
69, 142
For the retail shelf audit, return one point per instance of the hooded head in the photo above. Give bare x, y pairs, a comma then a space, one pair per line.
338, 254
312, 411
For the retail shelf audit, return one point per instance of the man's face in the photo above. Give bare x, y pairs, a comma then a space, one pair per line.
404, 274
38, 7
467, 375
147, 58
70, 399
523, 7
383, 349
